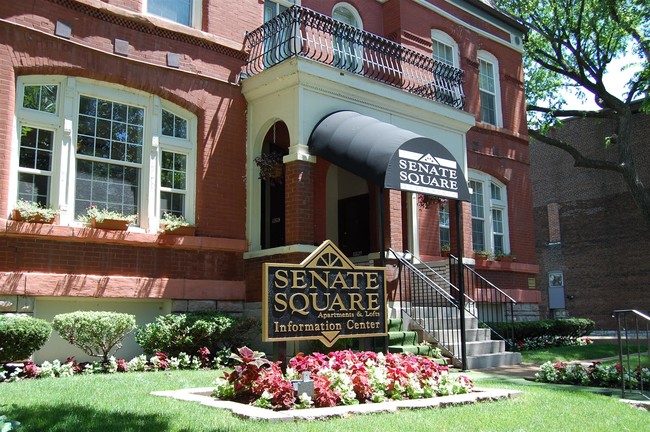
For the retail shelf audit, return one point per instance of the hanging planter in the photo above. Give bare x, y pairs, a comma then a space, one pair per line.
271, 167
427, 201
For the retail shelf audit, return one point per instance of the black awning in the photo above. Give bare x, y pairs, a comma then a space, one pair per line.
387, 155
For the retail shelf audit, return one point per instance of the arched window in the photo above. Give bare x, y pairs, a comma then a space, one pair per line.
348, 55
489, 202
444, 48
489, 89
83, 142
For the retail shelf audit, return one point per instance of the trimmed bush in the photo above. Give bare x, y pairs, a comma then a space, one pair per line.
188, 332
561, 327
21, 335
95, 332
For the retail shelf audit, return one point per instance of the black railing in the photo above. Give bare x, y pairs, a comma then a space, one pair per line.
301, 32
494, 308
633, 331
426, 298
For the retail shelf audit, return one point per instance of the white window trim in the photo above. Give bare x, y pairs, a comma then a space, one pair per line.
442, 37
352, 10
197, 14
489, 204
64, 122
490, 58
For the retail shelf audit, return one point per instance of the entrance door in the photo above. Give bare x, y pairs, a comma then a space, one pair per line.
354, 225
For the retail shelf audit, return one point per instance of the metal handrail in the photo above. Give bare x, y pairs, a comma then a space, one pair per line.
637, 317
416, 288
302, 32
490, 301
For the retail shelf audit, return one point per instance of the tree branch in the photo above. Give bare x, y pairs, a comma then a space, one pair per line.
579, 159
571, 113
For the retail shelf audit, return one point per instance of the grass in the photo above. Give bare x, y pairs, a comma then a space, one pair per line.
570, 353
122, 402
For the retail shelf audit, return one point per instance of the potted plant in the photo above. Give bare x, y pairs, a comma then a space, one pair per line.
30, 211
505, 257
481, 255
107, 219
271, 167
176, 225
444, 250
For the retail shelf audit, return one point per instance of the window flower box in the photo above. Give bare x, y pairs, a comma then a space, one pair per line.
107, 219
171, 224
29, 211
110, 224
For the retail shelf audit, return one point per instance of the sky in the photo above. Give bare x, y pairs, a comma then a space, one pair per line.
615, 80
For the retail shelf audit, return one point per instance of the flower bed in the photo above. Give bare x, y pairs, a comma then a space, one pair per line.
339, 378
595, 374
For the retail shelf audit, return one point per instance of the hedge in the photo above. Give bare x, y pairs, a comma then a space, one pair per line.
188, 332
559, 327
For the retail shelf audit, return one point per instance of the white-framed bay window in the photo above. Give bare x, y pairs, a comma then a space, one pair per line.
489, 206
186, 12
82, 143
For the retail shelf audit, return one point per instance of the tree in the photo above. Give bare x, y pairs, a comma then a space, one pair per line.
569, 45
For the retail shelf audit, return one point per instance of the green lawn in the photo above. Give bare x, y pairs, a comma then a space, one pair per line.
121, 402
570, 353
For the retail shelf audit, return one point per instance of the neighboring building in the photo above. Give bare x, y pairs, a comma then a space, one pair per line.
592, 242
155, 105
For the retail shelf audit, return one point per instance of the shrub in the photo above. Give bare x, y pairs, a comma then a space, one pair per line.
189, 332
96, 333
21, 335
562, 327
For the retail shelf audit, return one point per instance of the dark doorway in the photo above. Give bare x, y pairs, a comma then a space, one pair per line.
354, 225
273, 205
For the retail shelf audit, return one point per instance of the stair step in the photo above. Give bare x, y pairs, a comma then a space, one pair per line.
414, 349
471, 335
493, 360
403, 338
395, 324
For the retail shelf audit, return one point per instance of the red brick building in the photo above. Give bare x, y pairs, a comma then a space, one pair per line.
158, 106
592, 242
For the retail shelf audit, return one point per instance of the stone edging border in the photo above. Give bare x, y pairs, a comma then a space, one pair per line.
202, 396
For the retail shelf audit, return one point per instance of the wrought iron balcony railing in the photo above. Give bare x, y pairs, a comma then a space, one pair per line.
301, 32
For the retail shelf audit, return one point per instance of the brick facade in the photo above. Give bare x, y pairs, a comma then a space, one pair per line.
198, 69
588, 227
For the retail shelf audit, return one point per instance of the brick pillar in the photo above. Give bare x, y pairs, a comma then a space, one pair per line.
467, 228
299, 203
393, 219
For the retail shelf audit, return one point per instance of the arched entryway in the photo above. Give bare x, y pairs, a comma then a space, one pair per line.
271, 176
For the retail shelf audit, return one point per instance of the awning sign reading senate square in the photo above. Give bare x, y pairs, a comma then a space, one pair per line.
325, 297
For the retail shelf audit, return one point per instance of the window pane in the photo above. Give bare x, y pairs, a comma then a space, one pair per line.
106, 186
41, 98
33, 187
179, 11
173, 126
171, 202
486, 76
443, 53
443, 213
35, 148
496, 192
488, 108
476, 199
105, 124
478, 235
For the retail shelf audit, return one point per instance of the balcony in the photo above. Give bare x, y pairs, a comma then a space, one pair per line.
301, 32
